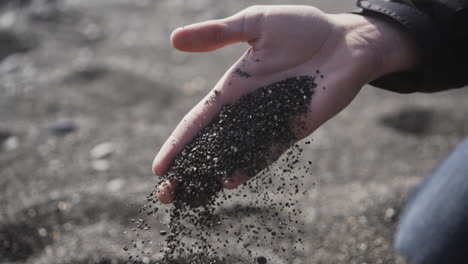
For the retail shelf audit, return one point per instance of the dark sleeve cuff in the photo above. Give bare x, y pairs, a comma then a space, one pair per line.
426, 34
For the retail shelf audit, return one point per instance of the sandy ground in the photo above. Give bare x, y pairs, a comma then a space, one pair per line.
90, 89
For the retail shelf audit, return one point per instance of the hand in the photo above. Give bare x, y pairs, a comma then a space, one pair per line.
348, 50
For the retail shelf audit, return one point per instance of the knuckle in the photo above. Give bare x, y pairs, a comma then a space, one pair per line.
254, 17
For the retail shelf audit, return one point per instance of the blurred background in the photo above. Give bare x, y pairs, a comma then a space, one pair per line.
90, 89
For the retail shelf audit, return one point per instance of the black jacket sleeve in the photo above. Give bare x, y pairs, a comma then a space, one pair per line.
440, 28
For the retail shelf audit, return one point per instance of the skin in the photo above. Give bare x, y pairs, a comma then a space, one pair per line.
349, 50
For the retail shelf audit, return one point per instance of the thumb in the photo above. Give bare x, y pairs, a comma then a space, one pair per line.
215, 34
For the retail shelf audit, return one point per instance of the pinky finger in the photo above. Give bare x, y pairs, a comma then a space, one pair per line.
166, 192
237, 178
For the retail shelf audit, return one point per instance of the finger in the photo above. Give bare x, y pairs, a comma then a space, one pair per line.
197, 118
215, 34
237, 178
166, 192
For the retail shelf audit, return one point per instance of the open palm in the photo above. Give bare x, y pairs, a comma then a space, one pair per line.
284, 41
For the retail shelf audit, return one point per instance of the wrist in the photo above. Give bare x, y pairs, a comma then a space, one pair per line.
387, 47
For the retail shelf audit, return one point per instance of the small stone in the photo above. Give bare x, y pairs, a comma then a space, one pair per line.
390, 215
7, 20
63, 206
115, 185
261, 260
92, 32
102, 151
11, 143
163, 232
363, 246
62, 128
100, 165
42, 232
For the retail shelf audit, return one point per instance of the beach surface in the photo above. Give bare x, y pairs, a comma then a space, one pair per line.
89, 90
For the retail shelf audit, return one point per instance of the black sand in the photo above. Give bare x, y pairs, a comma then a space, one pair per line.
56, 209
241, 138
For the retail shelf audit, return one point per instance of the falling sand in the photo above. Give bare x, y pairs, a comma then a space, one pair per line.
245, 137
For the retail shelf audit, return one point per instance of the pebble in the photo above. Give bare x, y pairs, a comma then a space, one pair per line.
390, 215
261, 260
92, 32
42, 232
100, 165
163, 232
8, 19
11, 143
115, 185
102, 151
363, 246
62, 128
